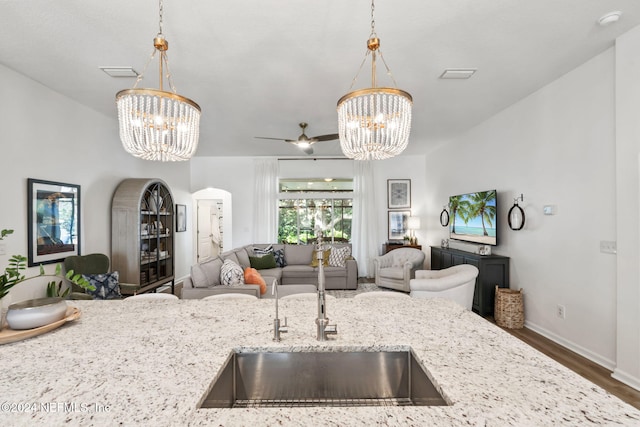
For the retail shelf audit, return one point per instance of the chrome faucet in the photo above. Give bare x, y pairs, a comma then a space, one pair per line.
277, 328
323, 327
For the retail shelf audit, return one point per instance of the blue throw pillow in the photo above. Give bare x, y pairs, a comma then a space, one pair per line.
107, 285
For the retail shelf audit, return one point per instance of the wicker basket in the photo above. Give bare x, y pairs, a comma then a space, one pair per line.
509, 308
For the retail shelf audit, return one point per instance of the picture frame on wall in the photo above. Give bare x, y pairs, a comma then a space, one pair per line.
181, 218
53, 215
398, 225
399, 193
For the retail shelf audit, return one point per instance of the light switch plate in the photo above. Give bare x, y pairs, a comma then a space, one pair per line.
3, 249
608, 247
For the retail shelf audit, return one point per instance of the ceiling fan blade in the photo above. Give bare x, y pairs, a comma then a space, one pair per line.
328, 137
264, 137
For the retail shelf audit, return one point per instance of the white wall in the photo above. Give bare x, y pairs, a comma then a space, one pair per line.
557, 147
628, 209
50, 137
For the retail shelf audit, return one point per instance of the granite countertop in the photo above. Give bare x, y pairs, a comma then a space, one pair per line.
150, 363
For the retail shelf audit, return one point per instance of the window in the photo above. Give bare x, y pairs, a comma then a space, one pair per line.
320, 204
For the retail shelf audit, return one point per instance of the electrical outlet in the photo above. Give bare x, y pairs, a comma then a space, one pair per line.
560, 311
3, 249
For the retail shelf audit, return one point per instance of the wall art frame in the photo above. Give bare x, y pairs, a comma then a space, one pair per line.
397, 225
181, 218
53, 218
399, 193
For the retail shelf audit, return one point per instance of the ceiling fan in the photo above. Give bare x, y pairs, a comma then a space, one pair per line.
304, 142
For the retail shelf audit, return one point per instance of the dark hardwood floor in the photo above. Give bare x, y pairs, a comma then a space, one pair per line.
581, 365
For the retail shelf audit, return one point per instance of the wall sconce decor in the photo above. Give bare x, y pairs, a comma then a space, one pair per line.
444, 216
516, 215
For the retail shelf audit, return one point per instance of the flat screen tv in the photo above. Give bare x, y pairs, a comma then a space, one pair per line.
474, 217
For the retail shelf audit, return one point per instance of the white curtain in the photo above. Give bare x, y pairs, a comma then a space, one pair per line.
365, 221
265, 214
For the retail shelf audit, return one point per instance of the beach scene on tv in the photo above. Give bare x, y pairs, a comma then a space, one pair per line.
473, 217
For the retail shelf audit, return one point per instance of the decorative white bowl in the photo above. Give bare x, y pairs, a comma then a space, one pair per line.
34, 313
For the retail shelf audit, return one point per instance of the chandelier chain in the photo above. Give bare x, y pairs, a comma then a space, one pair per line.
144, 69
389, 73
168, 75
373, 18
161, 9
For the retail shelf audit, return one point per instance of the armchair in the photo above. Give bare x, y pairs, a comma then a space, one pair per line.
455, 283
90, 264
397, 267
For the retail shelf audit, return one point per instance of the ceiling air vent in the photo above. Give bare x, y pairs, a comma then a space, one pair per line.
458, 73
119, 71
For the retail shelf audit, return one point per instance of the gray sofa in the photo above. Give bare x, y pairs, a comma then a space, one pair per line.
205, 277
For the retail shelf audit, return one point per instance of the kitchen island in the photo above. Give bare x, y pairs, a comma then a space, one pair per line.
151, 363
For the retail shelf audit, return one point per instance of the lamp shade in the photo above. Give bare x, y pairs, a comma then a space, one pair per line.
413, 223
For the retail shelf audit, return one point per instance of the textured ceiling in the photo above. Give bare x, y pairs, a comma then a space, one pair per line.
259, 67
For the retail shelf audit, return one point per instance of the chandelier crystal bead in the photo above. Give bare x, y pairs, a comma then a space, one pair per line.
155, 124
374, 123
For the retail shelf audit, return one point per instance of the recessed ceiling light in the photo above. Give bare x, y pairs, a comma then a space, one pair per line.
458, 73
609, 18
119, 71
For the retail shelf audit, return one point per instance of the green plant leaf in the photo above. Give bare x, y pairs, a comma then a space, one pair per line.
4, 233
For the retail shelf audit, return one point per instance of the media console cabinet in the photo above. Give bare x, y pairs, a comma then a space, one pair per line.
494, 270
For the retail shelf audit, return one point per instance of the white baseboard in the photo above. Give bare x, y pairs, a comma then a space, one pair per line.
629, 380
596, 358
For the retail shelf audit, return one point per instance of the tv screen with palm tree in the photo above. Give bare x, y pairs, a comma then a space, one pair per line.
474, 217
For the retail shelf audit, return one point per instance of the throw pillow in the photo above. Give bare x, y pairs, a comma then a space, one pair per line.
262, 252
252, 277
279, 256
263, 262
107, 285
325, 257
338, 256
231, 274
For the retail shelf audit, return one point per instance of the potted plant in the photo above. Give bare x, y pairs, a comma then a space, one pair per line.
17, 264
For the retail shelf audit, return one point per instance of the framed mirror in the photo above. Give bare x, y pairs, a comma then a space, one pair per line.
444, 217
516, 217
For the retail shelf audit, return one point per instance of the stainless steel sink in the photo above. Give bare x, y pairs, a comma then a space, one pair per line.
297, 379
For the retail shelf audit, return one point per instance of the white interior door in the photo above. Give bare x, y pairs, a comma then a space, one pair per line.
209, 232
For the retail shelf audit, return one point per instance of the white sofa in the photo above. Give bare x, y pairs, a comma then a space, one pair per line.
397, 267
455, 283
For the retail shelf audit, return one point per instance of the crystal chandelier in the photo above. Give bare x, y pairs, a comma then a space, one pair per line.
374, 123
155, 124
